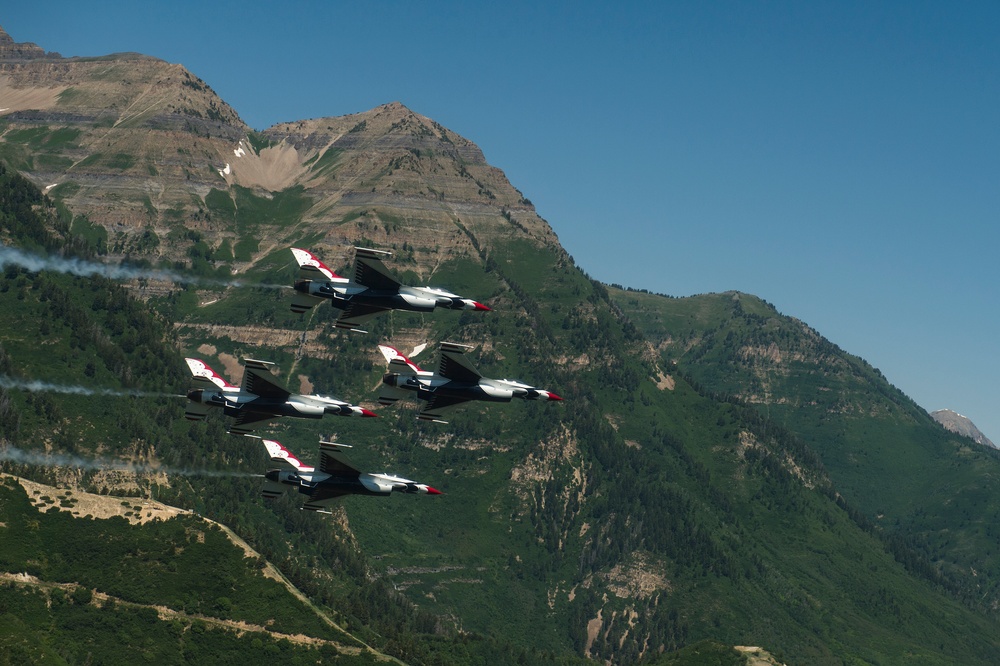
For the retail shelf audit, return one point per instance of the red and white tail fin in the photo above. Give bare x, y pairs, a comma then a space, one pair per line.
311, 268
397, 362
279, 454
202, 374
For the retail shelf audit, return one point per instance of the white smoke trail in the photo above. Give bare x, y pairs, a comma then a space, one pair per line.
82, 268
16, 455
36, 386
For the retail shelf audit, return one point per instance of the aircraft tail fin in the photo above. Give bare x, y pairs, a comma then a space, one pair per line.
283, 457
397, 362
203, 376
311, 268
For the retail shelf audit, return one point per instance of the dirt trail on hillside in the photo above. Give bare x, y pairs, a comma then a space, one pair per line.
138, 511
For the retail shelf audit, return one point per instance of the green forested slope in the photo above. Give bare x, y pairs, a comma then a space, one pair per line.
918, 482
638, 515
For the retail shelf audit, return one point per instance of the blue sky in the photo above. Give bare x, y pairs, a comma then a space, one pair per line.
838, 159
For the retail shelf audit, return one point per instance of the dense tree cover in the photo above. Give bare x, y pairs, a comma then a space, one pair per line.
96, 337
552, 517
52, 626
902, 474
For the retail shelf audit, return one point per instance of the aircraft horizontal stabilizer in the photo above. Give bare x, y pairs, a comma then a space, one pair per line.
272, 489
196, 411
388, 395
302, 302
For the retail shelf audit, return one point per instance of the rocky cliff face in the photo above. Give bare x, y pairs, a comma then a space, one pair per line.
11, 50
148, 151
961, 425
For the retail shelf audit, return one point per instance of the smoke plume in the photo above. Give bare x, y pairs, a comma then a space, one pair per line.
36, 386
16, 455
10, 256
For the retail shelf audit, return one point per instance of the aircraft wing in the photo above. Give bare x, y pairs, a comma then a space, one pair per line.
332, 461
203, 376
438, 406
355, 314
311, 268
257, 379
454, 365
247, 422
369, 271
322, 497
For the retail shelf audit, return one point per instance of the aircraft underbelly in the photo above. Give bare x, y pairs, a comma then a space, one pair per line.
468, 392
336, 486
393, 301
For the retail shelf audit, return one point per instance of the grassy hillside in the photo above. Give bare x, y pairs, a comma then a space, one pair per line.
918, 482
643, 514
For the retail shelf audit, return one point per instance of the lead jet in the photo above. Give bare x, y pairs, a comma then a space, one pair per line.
373, 291
455, 382
258, 401
335, 477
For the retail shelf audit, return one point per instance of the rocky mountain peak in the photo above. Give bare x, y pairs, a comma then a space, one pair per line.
961, 425
11, 50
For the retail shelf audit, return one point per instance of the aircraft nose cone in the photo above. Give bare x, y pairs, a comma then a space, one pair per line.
553, 396
368, 413
433, 491
480, 307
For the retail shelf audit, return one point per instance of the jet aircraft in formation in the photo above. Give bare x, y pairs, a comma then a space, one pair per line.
373, 291
258, 400
336, 477
455, 382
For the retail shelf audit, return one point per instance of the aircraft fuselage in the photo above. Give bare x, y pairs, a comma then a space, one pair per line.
301, 406
412, 299
313, 483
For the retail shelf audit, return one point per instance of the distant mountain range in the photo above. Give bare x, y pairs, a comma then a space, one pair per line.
719, 474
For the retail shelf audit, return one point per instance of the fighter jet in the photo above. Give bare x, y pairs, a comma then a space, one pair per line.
258, 401
456, 381
373, 291
336, 477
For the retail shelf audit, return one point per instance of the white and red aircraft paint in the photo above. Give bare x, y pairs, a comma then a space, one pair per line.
335, 477
373, 290
455, 382
258, 400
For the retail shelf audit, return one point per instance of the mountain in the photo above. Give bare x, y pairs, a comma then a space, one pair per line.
148, 152
685, 496
962, 425
883, 452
